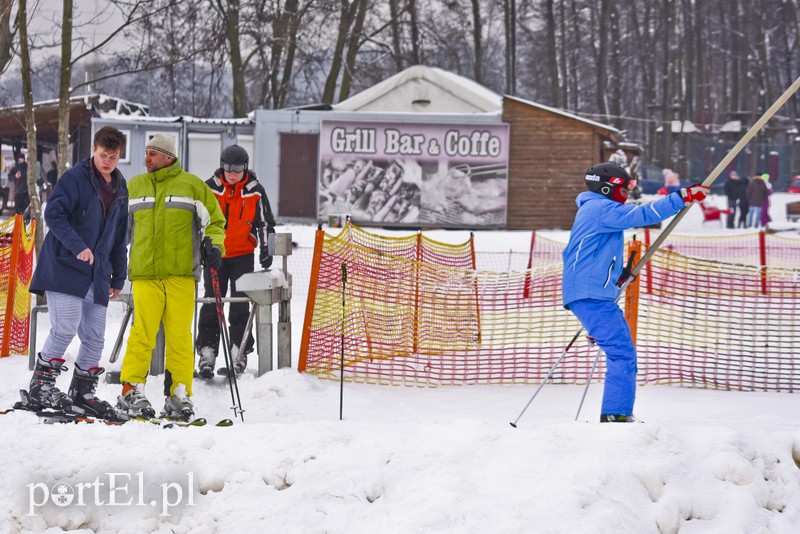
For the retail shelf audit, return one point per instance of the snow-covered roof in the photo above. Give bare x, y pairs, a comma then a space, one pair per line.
101, 103
424, 89
680, 127
731, 127
180, 118
564, 113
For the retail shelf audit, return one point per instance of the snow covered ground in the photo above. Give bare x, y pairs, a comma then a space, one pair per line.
409, 459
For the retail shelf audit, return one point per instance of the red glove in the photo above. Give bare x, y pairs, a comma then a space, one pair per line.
696, 193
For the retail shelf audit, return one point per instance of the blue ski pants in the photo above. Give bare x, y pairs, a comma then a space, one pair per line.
605, 322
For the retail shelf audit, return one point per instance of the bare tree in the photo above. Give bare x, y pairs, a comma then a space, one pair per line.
30, 121
64, 86
229, 11
346, 15
477, 41
6, 34
552, 58
510, 30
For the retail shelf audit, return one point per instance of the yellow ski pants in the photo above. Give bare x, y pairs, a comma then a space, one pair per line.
170, 301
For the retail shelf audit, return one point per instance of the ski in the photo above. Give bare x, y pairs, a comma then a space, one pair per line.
50, 417
170, 423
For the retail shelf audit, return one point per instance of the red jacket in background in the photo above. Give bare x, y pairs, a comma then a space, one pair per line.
247, 212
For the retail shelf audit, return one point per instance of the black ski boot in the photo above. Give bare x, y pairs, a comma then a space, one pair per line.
81, 390
42, 392
205, 367
239, 365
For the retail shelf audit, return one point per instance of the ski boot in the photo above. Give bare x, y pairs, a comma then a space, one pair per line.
42, 392
239, 364
134, 404
609, 418
178, 405
81, 390
205, 367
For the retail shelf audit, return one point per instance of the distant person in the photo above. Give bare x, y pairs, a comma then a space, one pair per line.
736, 191
249, 224
171, 212
757, 195
672, 183
593, 269
82, 264
52, 174
20, 178
50, 180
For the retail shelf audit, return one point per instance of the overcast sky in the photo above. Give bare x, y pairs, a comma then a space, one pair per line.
93, 21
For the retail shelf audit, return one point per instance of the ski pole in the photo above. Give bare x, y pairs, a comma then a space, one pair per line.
588, 382
546, 378
223, 327
341, 369
566, 349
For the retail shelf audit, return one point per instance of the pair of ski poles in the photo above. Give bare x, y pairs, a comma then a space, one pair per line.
223, 328
721, 166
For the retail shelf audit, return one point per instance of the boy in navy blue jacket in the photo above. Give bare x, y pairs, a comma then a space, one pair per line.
593, 264
82, 264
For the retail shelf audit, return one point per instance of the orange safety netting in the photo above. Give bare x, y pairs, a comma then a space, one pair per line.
16, 269
700, 322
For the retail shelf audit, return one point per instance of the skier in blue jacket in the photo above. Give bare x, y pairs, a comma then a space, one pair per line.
593, 265
82, 264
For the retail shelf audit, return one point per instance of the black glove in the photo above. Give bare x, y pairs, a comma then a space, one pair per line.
212, 255
264, 258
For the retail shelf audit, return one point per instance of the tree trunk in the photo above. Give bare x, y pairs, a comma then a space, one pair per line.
562, 52
6, 36
614, 90
510, 12
477, 40
416, 56
602, 57
30, 122
552, 54
231, 21
353, 44
397, 50
575, 55
329, 93
65, 78
291, 50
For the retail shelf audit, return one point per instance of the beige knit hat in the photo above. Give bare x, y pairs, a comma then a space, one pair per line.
163, 143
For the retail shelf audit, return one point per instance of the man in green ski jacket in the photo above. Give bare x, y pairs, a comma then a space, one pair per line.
170, 213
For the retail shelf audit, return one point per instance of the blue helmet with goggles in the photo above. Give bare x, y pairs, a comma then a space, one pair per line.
234, 159
609, 179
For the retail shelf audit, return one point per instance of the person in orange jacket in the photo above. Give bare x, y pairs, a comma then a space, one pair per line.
250, 225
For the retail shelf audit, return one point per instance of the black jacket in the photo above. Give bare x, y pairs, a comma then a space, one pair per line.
737, 189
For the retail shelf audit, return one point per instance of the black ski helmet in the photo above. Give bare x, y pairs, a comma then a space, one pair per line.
234, 155
605, 177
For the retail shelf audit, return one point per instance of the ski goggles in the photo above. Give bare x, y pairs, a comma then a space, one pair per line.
616, 181
233, 167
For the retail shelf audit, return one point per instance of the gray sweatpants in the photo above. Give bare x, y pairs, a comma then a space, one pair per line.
74, 315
